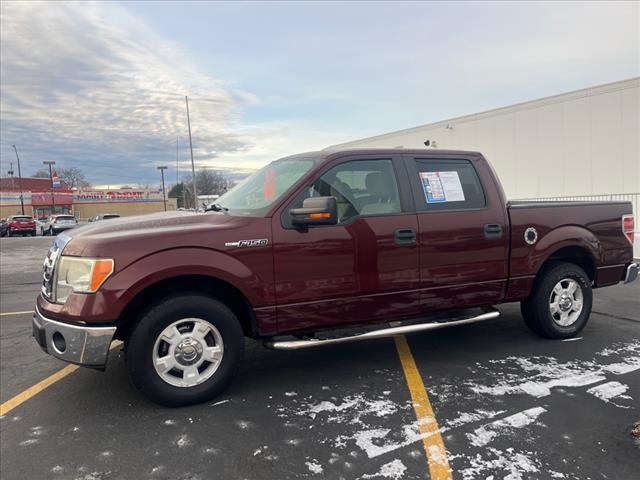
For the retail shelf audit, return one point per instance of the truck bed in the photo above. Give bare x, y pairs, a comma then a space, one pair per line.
591, 230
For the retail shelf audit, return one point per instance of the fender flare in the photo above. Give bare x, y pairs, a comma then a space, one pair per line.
175, 262
566, 236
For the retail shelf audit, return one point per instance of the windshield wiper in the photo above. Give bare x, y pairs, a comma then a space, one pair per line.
216, 207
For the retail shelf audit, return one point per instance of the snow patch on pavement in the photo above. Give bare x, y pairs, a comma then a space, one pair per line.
314, 467
541, 374
351, 409
393, 470
486, 433
516, 465
610, 390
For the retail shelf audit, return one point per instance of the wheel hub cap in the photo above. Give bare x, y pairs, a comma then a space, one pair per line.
188, 351
565, 302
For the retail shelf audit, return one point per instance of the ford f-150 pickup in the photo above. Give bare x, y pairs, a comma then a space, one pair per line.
321, 248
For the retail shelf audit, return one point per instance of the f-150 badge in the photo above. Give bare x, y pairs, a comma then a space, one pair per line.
260, 242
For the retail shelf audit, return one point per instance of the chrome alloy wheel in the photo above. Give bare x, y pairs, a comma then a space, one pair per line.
188, 352
565, 302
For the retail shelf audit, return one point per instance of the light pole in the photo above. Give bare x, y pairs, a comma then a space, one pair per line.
193, 168
19, 180
164, 198
53, 200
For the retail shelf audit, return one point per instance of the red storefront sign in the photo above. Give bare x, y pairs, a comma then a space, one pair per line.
59, 197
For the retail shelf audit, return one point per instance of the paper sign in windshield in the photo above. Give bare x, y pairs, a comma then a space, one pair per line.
442, 187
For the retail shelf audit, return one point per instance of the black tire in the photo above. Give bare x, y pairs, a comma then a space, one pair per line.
142, 339
536, 310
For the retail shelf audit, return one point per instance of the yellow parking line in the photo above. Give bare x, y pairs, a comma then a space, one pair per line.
15, 313
31, 392
439, 468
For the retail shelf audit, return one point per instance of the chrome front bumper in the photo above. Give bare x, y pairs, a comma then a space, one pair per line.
80, 344
632, 273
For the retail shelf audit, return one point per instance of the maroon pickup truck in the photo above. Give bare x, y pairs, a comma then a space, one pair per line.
322, 248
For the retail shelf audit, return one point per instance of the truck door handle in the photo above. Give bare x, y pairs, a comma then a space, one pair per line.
405, 236
492, 231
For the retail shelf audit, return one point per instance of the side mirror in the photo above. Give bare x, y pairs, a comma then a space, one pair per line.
316, 211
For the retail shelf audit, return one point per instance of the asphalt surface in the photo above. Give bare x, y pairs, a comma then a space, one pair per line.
508, 404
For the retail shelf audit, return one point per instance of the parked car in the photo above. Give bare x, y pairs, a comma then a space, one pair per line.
55, 224
4, 227
324, 248
20, 225
104, 216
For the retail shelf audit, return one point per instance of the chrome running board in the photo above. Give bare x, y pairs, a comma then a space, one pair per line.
380, 333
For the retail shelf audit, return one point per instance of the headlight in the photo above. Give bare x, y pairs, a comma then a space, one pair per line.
81, 275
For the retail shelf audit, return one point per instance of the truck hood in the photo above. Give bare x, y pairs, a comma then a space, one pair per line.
154, 221
153, 232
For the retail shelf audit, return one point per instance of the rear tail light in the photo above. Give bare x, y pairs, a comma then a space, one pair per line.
628, 227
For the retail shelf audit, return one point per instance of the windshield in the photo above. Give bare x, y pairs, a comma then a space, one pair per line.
22, 219
65, 217
254, 195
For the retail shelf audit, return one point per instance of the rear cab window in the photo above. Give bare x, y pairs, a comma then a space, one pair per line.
441, 185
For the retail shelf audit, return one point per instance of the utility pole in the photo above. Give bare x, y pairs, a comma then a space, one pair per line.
193, 167
19, 181
177, 164
53, 200
164, 198
10, 173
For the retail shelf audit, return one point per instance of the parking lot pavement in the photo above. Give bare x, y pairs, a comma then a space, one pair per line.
507, 404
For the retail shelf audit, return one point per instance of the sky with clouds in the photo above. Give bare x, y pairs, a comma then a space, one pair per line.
101, 86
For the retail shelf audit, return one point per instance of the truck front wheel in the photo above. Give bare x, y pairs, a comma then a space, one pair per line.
184, 350
560, 304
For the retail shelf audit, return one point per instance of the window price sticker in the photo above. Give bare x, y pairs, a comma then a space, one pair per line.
442, 187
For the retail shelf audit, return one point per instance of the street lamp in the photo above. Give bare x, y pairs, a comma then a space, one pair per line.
53, 200
19, 180
164, 199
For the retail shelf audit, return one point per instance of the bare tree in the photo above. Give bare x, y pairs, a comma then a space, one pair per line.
42, 173
211, 182
73, 177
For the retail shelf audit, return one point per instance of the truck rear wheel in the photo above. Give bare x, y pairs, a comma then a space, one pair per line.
560, 304
185, 350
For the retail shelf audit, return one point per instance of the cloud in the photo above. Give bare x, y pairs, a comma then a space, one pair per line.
91, 85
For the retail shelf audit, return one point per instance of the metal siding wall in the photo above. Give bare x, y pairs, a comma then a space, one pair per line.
581, 143
630, 100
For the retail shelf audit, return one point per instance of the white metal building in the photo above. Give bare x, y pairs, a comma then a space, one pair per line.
581, 144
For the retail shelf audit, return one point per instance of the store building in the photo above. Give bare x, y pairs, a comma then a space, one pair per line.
40, 200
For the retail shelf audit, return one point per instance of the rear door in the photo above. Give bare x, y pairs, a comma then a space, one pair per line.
363, 268
463, 232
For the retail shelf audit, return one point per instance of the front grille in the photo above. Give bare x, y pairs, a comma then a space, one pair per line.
49, 265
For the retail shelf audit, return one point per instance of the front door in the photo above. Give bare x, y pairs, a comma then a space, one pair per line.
464, 233
362, 269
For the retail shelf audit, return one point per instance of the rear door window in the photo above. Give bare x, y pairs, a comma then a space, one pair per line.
447, 185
